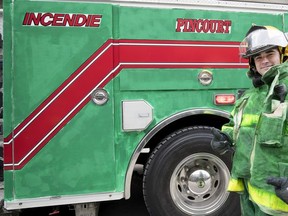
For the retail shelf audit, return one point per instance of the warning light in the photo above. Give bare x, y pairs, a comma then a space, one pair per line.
224, 99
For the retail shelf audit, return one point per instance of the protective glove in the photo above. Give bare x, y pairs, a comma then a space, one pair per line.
280, 92
221, 142
281, 187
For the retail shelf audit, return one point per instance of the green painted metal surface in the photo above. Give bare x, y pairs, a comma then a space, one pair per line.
79, 159
91, 153
139, 23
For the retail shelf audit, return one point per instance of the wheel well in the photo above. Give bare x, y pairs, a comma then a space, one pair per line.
192, 120
198, 117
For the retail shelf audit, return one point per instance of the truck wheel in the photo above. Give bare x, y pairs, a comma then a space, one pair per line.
184, 176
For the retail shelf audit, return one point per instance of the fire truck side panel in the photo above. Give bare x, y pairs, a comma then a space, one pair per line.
43, 59
43, 52
153, 23
58, 142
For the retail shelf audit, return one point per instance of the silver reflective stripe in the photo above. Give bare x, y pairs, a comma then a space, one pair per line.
238, 119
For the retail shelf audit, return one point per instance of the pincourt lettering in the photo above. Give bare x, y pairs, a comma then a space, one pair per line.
203, 26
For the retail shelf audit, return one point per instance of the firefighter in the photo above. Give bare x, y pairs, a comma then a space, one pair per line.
264, 47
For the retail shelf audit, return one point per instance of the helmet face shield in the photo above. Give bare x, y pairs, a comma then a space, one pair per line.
261, 40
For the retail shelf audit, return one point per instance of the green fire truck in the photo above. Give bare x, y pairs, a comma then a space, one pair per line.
94, 89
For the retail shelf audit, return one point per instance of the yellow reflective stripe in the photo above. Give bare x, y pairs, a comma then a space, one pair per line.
249, 120
227, 128
266, 199
236, 185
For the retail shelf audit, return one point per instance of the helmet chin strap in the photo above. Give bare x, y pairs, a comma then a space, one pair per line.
252, 65
257, 81
254, 75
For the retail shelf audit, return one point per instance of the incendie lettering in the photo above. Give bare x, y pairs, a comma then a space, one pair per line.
203, 26
61, 19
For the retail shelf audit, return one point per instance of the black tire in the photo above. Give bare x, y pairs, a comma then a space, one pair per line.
184, 176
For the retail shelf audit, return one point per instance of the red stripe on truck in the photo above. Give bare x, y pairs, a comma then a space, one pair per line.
72, 95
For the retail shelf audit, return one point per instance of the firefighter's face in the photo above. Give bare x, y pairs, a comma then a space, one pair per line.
265, 60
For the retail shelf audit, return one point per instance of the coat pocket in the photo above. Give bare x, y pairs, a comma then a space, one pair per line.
270, 128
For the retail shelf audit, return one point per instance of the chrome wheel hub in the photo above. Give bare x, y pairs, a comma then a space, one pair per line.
198, 184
